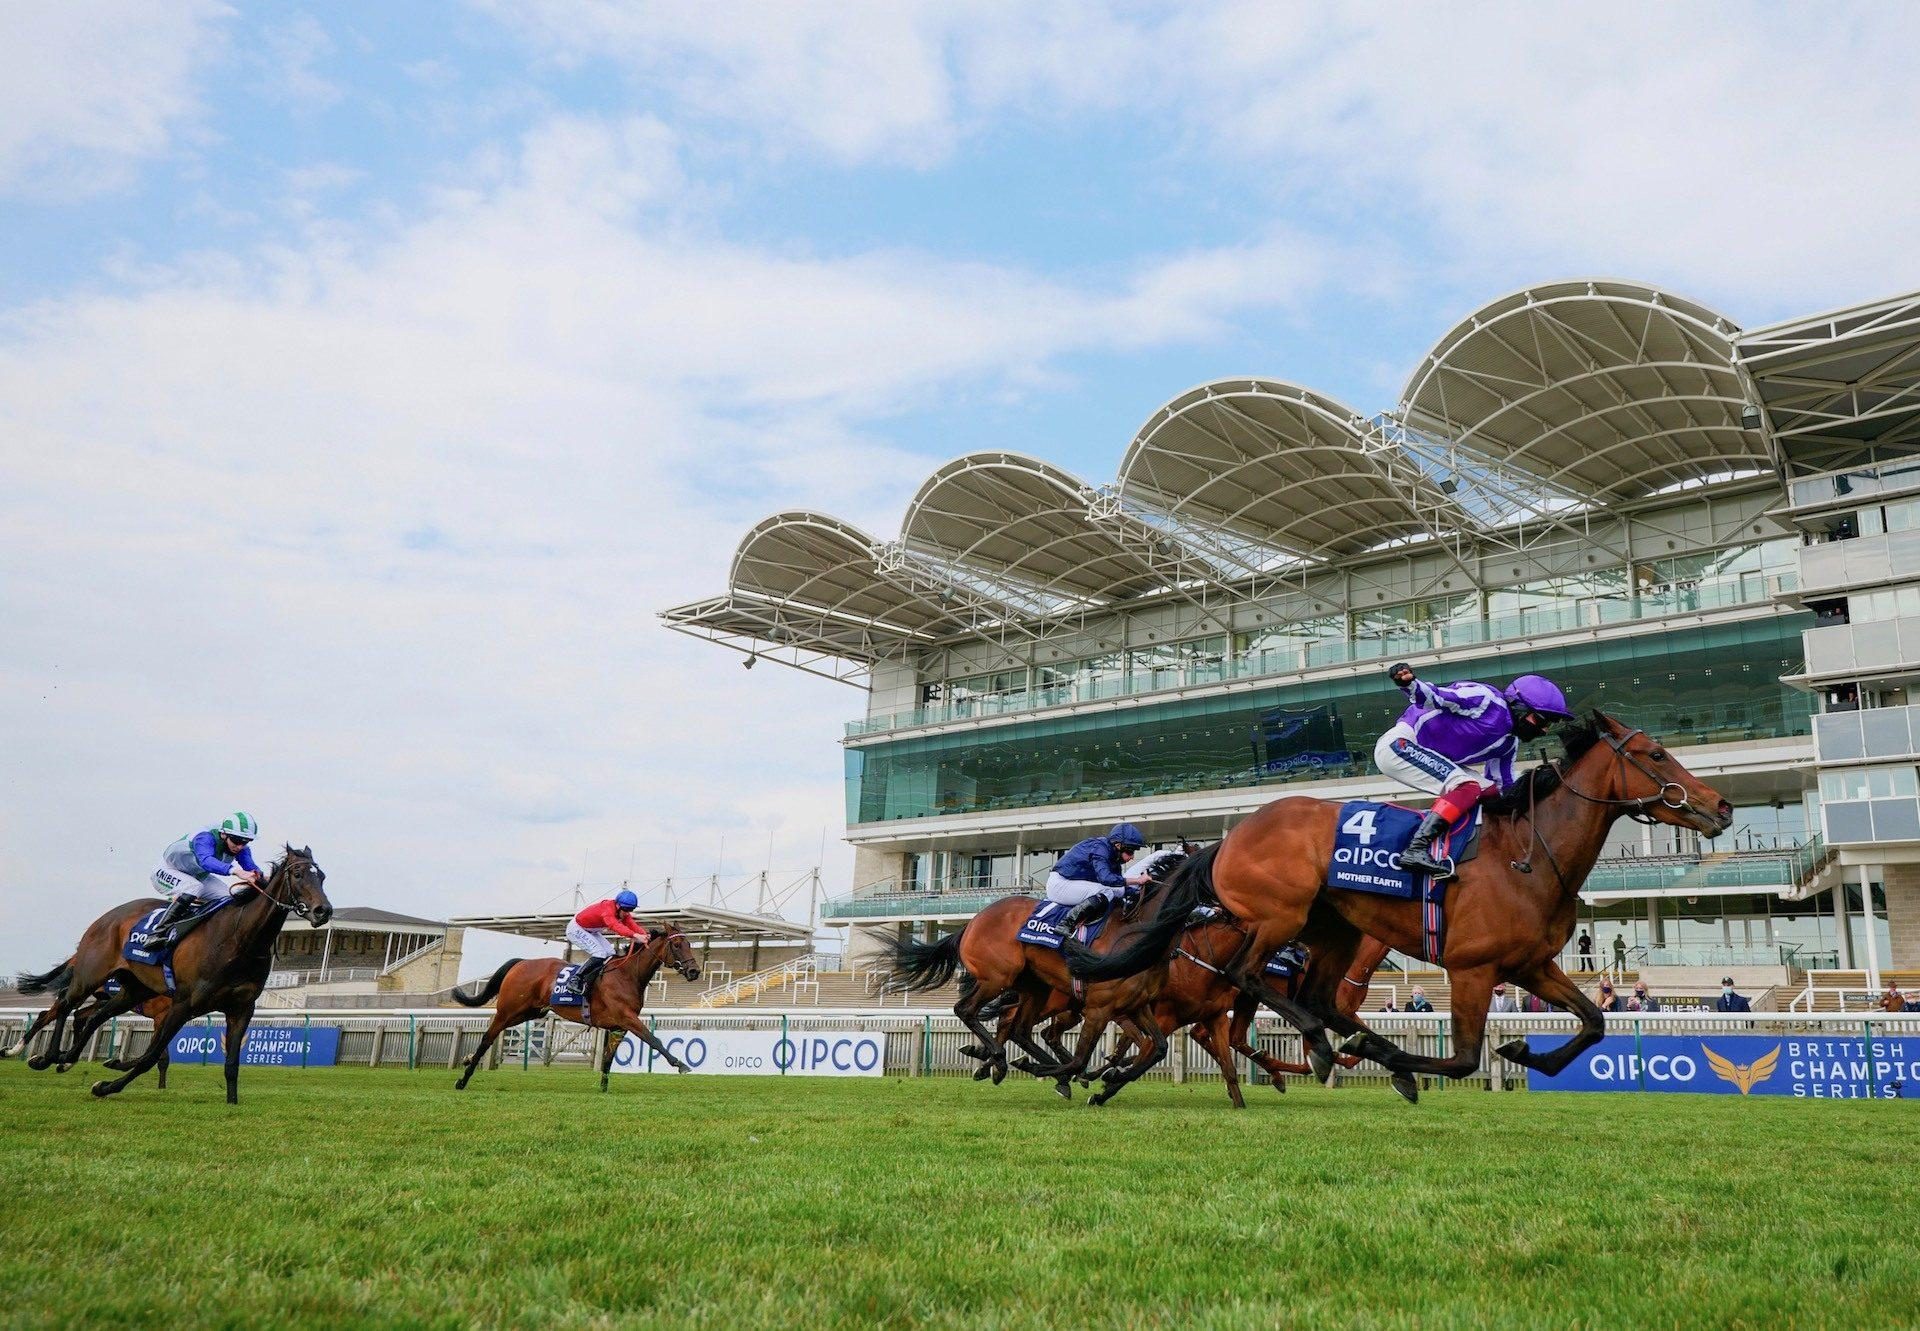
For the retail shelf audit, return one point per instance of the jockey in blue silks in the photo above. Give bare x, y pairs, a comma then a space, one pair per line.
1450, 728
1089, 873
197, 866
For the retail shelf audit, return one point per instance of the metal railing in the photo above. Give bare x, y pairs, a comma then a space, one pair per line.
759, 982
925, 1043
1315, 654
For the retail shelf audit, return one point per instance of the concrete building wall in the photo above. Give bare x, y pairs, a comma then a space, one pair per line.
1903, 916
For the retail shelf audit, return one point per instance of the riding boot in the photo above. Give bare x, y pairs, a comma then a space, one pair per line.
588, 974
178, 907
1419, 852
1082, 912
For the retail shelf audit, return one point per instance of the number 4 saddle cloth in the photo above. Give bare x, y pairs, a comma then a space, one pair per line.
1368, 839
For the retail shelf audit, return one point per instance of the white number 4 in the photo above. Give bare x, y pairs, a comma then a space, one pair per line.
1360, 825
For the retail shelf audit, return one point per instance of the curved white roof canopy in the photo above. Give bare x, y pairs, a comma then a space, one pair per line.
816, 560
1603, 391
1017, 520
1272, 462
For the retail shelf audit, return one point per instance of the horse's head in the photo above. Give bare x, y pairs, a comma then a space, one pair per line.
299, 885
1652, 781
680, 954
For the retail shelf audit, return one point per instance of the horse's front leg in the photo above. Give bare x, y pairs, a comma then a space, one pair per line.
1216, 1037
238, 1019
92, 1018
637, 1024
1145, 1032
1551, 983
163, 1032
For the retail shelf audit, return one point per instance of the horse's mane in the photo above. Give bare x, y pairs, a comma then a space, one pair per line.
1540, 782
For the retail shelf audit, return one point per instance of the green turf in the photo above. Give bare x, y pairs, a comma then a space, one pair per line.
383, 1197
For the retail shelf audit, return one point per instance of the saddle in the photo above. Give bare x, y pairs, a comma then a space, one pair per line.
1042, 928
566, 987
1368, 839
149, 945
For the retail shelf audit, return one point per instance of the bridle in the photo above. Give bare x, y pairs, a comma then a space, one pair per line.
1637, 808
303, 911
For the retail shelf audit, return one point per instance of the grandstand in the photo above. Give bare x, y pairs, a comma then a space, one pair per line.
1710, 531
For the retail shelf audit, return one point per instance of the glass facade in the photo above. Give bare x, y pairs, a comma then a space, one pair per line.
1697, 685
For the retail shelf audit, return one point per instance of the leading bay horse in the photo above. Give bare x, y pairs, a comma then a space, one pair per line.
525, 986
1509, 912
221, 966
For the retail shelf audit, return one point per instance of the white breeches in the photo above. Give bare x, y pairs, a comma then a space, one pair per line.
1422, 769
169, 882
1071, 891
587, 940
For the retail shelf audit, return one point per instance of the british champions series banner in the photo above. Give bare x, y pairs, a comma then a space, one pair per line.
266, 1046
825, 1052
1811, 1066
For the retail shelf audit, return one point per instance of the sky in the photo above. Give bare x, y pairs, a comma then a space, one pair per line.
371, 375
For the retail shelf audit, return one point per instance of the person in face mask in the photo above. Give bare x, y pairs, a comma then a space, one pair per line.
1647, 1002
1731, 1000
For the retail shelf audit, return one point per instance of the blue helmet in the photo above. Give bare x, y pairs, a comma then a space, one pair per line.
626, 901
1538, 693
1125, 835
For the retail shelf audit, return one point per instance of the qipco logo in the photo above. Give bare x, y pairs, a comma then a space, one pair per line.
1625, 1069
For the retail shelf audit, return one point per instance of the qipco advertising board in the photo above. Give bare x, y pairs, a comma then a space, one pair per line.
1807, 1066
822, 1052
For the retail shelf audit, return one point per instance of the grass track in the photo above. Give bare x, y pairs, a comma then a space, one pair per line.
382, 1197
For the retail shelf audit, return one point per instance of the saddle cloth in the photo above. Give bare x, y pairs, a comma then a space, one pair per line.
1042, 928
566, 987
1367, 842
147, 946
1288, 962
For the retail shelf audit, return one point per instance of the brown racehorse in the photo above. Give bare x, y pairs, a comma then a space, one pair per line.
153, 1009
1509, 913
1198, 994
220, 967
993, 963
525, 985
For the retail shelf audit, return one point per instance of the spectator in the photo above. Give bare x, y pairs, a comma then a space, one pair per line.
1535, 1003
1729, 1000
1633, 1004
1643, 1001
1388, 1005
1502, 1000
1891, 1001
1586, 951
1417, 1001
1607, 999
1620, 954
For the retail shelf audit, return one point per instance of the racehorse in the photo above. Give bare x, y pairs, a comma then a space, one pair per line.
1198, 994
993, 962
525, 989
1509, 912
219, 967
153, 1009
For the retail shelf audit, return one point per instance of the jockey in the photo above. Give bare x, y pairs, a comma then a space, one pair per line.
615, 913
195, 867
1089, 873
1449, 728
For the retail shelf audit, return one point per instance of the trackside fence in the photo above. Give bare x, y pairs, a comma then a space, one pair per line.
926, 1043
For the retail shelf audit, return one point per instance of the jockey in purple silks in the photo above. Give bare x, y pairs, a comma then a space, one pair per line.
1450, 728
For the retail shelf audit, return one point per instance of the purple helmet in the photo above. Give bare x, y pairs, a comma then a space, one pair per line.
1538, 693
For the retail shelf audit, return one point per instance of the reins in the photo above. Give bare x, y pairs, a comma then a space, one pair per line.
1636, 808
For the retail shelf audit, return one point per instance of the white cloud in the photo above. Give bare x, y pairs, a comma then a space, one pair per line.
369, 535
1759, 157
88, 90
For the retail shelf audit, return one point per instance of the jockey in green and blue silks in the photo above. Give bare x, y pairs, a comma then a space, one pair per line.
197, 867
1089, 873
1450, 729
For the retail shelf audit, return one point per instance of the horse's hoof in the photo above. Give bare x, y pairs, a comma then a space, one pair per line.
999, 1071
1279, 1083
982, 1072
62, 1067
103, 1089
1320, 1059
1516, 1051
681, 1068
1354, 1045
1064, 1089
40, 1062
1095, 1101
1409, 1088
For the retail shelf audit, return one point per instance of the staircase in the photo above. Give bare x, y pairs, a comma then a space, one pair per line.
748, 987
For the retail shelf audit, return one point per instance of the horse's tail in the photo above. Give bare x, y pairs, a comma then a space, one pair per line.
919, 965
1191, 883
475, 997
40, 984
